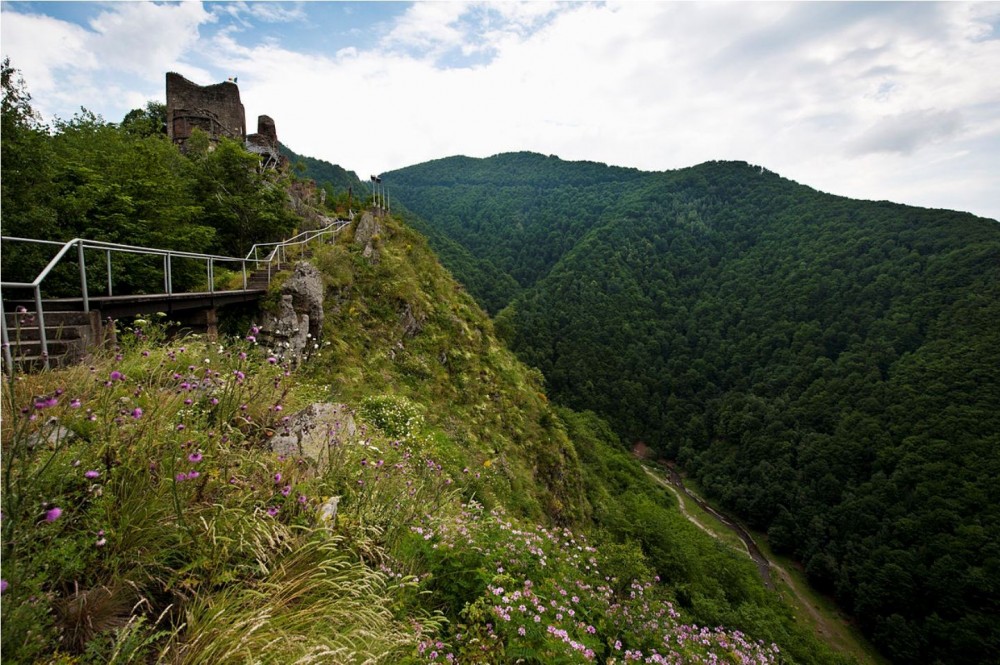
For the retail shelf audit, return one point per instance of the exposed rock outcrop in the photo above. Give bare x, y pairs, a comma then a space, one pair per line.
297, 328
310, 433
366, 234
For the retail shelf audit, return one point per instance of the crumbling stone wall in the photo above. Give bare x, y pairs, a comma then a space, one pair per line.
215, 109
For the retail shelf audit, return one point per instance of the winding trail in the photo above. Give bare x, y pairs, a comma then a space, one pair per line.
675, 483
668, 477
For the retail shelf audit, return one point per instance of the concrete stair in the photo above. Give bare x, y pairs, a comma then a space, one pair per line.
69, 336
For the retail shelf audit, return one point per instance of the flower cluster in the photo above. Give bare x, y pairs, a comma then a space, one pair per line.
548, 597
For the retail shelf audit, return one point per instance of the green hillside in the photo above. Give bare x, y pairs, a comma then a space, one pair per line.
829, 369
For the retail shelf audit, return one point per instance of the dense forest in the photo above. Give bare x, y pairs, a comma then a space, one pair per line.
828, 369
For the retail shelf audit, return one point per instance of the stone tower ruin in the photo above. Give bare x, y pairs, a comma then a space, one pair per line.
217, 111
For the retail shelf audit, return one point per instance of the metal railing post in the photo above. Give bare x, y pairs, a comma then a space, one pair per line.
8, 357
41, 325
211, 276
170, 277
244, 274
83, 277
107, 252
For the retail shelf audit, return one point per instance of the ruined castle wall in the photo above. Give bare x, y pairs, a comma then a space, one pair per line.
216, 109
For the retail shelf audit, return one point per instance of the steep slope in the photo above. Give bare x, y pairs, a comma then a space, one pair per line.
825, 367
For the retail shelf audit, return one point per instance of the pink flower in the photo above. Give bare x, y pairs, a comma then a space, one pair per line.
53, 514
286, 490
117, 376
277, 478
92, 474
75, 403
194, 458
137, 413
272, 360
272, 511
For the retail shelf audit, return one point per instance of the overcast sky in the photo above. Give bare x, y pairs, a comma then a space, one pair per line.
892, 101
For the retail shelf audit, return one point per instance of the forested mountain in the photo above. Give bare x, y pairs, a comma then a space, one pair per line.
827, 368
334, 176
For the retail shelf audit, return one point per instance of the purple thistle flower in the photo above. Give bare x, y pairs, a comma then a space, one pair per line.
53, 514
137, 413
194, 458
192, 475
181, 477
117, 376
75, 403
180, 428
92, 474
272, 360
277, 478
286, 490
272, 511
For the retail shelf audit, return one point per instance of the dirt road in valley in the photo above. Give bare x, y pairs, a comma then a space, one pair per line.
669, 478
673, 481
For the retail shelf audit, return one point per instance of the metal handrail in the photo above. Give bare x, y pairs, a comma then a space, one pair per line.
276, 254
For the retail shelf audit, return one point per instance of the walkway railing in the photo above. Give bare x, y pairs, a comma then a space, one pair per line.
256, 258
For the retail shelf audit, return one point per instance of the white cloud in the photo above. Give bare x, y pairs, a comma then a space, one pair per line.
853, 98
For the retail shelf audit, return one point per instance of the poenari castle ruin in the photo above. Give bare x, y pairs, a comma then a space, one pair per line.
217, 111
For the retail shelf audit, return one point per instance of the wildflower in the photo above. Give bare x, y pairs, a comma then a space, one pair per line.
272, 360
286, 490
180, 427
180, 477
213, 401
194, 458
3, 586
74, 403
192, 475
137, 413
101, 540
303, 499
45, 402
277, 478
92, 474
53, 514
145, 354
117, 376
272, 511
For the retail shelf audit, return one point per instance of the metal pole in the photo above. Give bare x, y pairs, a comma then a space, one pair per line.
211, 279
41, 325
108, 252
170, 277
8, 358
244, 274
166, 273
83, 277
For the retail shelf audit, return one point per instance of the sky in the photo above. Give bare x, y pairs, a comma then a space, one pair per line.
886, 101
